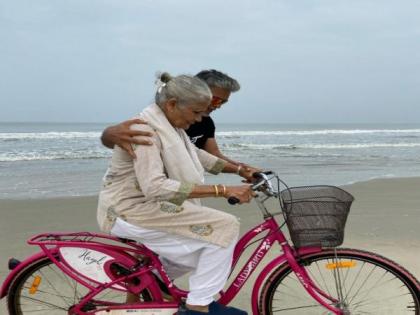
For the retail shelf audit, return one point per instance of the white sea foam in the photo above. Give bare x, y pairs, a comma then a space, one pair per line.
91, 134
48, 135
38, 156
315, 132
360, 146
240, 146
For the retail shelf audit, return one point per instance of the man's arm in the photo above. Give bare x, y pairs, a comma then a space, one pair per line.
123, 136
211, 147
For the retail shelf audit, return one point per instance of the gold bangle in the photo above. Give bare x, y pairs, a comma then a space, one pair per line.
216, 190
224, 190
239, 169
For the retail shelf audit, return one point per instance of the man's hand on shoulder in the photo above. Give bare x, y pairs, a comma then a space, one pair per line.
124, 136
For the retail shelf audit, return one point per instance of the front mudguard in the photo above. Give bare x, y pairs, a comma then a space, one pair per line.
17, 270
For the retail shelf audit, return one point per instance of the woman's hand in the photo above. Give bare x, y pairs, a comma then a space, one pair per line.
247, 171
243, 193
122, 136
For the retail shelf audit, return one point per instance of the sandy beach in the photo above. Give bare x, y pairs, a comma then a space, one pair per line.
385, 218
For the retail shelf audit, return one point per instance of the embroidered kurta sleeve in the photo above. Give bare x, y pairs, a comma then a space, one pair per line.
151, 175
211, 163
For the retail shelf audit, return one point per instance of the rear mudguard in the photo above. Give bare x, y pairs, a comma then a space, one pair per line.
17, 270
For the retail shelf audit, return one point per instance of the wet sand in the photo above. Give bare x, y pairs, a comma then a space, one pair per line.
385, 218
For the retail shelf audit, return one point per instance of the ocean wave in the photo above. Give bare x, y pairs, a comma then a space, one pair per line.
31, 156
235, 134
13, 136
240, 146
228, 134
361, 146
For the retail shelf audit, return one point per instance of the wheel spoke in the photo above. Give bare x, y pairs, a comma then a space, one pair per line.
323, 279
54, 288
37, 301
378, 301
297, 308
355, 280
363, 283
42, 310
368, 292
49, 293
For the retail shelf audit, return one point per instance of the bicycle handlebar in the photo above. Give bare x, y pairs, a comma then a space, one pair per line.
263, 180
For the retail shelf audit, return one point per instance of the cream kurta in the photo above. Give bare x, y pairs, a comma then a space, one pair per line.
140, 192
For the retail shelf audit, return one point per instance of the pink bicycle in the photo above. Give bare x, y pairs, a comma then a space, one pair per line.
87, 273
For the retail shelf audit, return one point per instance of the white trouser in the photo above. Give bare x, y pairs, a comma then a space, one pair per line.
210, 263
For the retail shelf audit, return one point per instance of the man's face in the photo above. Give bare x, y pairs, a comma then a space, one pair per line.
220, 96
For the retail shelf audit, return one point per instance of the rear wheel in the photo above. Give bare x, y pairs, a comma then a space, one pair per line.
363, 282
42, 288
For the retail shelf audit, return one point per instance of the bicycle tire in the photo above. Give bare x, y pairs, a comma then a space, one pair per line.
282, 293
20, 303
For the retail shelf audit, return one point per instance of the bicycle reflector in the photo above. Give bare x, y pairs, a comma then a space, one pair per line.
341, 264
35, 284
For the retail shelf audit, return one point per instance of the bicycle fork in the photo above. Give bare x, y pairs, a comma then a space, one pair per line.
327, 301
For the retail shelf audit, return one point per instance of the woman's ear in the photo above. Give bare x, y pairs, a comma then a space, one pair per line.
171, 104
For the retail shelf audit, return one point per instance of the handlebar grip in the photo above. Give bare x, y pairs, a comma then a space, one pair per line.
233, 200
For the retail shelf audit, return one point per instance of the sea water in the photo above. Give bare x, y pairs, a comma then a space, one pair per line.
42, 160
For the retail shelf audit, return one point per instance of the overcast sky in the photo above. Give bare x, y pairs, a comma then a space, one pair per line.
297, 61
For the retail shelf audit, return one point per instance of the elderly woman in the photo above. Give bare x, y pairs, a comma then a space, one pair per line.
156, 197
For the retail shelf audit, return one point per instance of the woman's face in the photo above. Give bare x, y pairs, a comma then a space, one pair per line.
184, 116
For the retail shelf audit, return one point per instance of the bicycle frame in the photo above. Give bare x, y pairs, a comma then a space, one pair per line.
52, 243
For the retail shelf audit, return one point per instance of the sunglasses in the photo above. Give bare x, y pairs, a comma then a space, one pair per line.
218, 100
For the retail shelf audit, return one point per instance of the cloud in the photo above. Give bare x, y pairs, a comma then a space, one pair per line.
302, 60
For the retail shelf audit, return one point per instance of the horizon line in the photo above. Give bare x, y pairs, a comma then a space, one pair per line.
233, 123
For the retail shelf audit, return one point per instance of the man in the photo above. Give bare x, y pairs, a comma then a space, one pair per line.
202, 133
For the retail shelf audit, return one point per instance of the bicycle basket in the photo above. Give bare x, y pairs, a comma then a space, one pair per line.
316, 215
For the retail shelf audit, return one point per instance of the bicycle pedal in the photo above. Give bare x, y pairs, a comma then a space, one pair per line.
119, 270
88, 307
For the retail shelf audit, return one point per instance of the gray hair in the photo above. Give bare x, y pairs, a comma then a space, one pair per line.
215, 78
186, 89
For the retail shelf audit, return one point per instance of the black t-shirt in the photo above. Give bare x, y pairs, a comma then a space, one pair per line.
201, 131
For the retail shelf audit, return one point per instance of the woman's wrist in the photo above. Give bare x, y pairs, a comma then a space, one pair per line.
224, 190
216, 191
219, 190
238, 170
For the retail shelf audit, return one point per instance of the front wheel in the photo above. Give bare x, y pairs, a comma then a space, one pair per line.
362, 282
